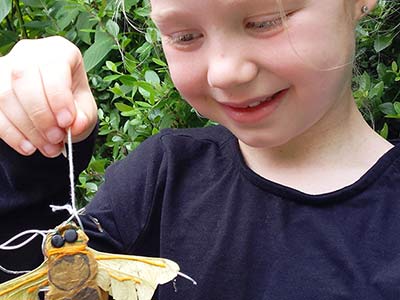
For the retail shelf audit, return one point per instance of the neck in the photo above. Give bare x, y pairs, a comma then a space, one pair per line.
340, 141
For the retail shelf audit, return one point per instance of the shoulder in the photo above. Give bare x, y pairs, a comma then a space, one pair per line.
180, 144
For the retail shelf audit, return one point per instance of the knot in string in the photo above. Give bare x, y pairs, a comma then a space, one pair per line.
71, 208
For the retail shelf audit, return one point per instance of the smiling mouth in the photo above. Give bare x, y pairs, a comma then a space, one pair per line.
255, 103
254, 110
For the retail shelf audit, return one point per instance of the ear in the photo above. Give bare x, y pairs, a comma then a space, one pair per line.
358, 7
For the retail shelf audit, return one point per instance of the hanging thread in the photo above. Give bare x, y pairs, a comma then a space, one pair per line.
71, 208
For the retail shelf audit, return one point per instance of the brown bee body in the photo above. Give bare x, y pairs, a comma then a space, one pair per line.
72, 269
73, 277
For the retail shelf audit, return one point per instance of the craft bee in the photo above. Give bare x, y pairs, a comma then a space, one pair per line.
73, 271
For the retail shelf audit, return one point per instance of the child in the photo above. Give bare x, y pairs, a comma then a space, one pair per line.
293, 197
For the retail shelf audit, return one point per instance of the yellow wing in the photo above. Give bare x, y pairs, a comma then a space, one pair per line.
127, 277
25, 287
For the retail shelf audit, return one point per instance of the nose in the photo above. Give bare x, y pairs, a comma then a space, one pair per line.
230, 69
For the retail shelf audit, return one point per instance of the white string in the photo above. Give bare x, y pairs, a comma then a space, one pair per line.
7, 246
71, 208
34, 232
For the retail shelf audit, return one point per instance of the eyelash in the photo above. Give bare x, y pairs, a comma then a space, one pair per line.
264, 25
185, 39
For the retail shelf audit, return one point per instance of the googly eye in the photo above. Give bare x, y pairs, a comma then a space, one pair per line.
70, 235
57, 241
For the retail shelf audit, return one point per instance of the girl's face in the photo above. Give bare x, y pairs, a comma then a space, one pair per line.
236, 64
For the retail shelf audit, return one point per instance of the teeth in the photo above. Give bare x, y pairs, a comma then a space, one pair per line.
258, 102
255, 104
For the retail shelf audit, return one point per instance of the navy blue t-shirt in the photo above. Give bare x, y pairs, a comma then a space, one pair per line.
188, 195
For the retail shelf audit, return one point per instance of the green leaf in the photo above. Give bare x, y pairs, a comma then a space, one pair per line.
144, 50
84, 25
159, 62
97, 52
130, 63
143, 104
128, 80
112, 77
151, 35
66, 17
384, 131
381, 69
33, 3
393, 116
111, 66
146, 89
365, 82
112, 28
123, 107
382, 42
387, 108
396, 106
377, 90
91, 186
5, 8
116, 90
38, 24
152, 78
130, 3
8, 39
395, 67
143, 11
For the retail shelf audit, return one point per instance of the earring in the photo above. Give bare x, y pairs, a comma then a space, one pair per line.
364, 9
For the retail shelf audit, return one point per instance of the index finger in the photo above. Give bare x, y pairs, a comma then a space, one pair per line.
57, 86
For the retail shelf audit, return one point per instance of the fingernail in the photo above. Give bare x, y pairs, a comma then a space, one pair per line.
64, 151
27, 147
55, 135
64, 118
52, 150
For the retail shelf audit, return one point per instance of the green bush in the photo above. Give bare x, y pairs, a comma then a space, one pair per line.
377, 80
130, 79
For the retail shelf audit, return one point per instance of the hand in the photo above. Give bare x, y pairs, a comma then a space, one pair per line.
44, 90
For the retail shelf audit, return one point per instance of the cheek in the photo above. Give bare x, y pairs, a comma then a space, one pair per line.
322, 45
188, 74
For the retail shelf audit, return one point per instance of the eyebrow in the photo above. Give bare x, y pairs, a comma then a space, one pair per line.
164, 14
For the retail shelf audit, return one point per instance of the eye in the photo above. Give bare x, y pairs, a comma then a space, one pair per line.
57, 241
184, 39
262, 24
70, 235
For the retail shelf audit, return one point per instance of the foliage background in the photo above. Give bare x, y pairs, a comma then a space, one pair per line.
130, 80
